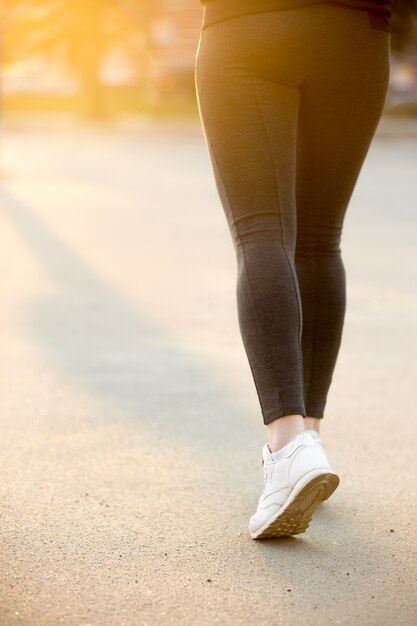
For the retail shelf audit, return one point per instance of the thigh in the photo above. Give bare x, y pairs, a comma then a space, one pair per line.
248, 72
341, 103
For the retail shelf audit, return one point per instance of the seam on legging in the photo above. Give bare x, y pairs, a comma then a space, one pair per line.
310, 47
250, 287
307, 75
315, 321
281, 229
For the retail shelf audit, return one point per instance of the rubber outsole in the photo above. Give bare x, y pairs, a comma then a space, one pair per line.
296, 517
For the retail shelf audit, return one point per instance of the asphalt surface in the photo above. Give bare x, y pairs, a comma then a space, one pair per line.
131, 431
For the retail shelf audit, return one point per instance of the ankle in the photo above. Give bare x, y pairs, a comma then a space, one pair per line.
283, 430
313, 423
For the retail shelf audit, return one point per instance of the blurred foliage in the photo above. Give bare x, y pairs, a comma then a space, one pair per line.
78, 34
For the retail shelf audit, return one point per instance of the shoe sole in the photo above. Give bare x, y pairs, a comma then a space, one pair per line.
296, 517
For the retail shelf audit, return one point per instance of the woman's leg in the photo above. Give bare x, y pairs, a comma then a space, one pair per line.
248, 72
341, 102
289, 102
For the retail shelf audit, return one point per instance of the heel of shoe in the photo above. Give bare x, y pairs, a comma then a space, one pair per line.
333, 481
296, 515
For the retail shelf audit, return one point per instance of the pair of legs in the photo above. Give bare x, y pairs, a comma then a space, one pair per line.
289, 102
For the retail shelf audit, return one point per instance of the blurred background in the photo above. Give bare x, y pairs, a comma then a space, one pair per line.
128, 410
102, 58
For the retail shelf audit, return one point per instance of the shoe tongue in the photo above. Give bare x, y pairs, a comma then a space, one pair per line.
266, 454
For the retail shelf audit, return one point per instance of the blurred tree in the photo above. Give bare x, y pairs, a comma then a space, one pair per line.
78, 34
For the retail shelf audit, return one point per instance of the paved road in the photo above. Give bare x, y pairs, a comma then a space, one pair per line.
131, 432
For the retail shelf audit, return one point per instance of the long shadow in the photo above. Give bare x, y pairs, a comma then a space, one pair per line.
104, 344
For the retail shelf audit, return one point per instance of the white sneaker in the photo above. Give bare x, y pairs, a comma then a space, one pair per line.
316, 437
295, 484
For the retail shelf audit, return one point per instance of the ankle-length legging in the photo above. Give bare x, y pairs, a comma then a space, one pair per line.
289, 101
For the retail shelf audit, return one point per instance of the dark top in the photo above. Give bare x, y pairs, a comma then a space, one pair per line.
218, 10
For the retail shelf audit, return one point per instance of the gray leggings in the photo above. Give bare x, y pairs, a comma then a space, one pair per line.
289, 101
